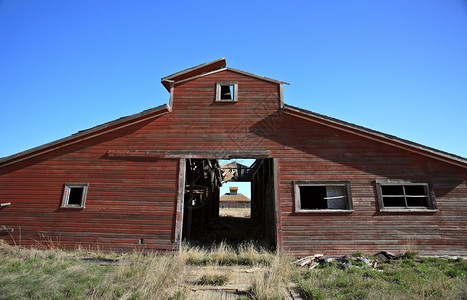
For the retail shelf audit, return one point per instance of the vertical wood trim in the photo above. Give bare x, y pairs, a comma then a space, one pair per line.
171, 99
218, 91
180, 196
277, 222
281, 95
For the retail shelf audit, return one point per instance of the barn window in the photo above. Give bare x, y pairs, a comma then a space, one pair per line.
405, 196
74, 195
328, 196
226, 91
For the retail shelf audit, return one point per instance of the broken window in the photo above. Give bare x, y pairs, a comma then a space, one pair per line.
226, 91
74, 195
404, 195
332, 196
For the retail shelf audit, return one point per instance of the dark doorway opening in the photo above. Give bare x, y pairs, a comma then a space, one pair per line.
204, 218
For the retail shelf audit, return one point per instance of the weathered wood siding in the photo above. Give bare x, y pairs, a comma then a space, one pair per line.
129, 199
319, 153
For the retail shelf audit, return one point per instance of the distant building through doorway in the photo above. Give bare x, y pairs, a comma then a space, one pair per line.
233, 199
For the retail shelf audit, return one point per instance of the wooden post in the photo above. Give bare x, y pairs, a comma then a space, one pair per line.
277, 221
180, 204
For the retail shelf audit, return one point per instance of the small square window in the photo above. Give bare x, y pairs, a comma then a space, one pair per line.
226, 91
402, 195
322, 196
74, 195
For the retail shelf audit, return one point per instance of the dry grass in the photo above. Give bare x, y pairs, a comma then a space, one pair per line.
212, 276
273, 283
235, 212
56, 274
149, 276
224, 254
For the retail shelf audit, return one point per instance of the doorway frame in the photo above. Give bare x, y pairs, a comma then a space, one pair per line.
181, 194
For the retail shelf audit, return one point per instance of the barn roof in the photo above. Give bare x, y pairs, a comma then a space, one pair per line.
220, 65
207, 69
87, 134
238, 197
194, 71
375, 135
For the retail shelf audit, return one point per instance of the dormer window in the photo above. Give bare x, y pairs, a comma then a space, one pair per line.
226, 91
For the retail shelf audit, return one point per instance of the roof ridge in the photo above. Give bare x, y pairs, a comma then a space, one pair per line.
184, 74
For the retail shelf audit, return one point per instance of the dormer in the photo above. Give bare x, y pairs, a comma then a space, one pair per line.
226, 86
233, 190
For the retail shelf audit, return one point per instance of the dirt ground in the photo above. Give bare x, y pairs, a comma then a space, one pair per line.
235, 212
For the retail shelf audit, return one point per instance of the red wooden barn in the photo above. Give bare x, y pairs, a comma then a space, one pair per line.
149, 180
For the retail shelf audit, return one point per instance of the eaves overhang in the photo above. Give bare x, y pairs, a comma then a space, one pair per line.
376, 136
87, 134
205, 69
194, 71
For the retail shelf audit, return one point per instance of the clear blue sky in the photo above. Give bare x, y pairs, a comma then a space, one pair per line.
399, 67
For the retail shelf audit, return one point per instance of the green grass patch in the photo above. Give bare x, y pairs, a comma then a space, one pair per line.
214, 279
407, 278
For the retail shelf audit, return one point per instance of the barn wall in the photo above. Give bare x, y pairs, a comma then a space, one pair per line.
131, 199
127, 200
319, 153
197, 123
309, 151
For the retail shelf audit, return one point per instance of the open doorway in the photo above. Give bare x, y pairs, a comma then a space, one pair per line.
247, 209
235, 192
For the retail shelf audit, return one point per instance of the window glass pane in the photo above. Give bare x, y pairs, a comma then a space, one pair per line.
392, 190
76, 194
393, 201
417, 201
414, 190
313, 197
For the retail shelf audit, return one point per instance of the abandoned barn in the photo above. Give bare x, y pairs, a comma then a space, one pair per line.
318, 185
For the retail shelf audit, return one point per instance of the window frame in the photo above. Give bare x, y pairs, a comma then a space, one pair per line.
219, 86
345, 184
66, 195
431, 202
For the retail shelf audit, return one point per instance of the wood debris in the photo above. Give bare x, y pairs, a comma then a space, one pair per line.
312, 261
